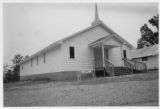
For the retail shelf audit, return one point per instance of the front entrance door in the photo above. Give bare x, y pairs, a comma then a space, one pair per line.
99, 69
98, 57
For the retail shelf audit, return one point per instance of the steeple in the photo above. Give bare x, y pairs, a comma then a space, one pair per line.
96, 19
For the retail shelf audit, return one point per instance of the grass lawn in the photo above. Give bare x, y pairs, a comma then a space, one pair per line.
133, 90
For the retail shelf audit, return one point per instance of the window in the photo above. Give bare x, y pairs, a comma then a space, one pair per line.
37, 60
124, 54
71, 50
44, 57
31, 62
144, 58
22, 67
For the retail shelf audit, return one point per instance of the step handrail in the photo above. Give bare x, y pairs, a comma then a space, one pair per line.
109, 67
127, 64
139, 64
134, 64
108, 61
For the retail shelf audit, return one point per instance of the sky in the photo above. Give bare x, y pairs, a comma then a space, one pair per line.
29, 27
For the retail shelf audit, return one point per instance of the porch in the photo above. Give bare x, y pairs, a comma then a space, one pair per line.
109, 60
102, 65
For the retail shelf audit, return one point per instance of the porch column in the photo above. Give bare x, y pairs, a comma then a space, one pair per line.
103, 62
122, 55
103, 55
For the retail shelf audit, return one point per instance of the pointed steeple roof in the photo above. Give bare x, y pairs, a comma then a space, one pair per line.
96, 19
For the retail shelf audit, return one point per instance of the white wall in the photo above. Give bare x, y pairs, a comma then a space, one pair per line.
52, 63
116, 53
83, 53
152, 63
58, 58
115, 56
125, 47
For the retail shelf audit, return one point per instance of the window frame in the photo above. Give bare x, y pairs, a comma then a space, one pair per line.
125, 54
37, 60
31, 62
144, 58
71, 52
44, 58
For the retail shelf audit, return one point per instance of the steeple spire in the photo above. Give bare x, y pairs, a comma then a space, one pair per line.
96, 12
96, 19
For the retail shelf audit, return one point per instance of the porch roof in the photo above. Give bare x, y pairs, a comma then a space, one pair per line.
99, 41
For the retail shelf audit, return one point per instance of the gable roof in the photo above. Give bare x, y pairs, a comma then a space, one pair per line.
114, 34
147, 51
59, 42
53, 45
118, 36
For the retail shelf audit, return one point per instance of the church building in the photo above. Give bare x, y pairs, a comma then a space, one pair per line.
96, 49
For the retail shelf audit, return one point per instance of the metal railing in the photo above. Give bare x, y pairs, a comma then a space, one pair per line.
109, 67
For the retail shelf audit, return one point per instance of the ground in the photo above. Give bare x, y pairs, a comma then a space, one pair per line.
133, 90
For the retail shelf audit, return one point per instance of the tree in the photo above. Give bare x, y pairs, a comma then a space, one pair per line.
16, 70
17, 58
13, 76
148, 36
9, 77
154, 21
16, 73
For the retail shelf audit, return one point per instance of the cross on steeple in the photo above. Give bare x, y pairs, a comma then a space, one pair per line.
96, 19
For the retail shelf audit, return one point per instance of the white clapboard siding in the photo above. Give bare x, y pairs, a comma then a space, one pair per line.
82, 51
152, 62
52, 63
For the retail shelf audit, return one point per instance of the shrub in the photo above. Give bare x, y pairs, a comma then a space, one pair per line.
12, 76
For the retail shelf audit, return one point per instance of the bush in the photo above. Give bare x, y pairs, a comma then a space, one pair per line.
12, 76
9, 77
16, 73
